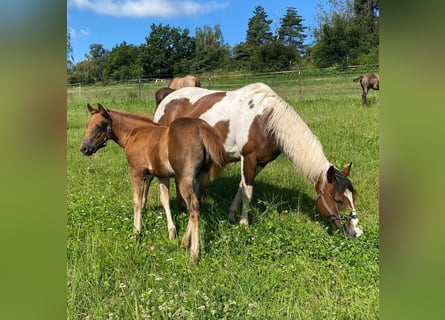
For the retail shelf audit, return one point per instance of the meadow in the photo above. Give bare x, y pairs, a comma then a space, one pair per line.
289, 263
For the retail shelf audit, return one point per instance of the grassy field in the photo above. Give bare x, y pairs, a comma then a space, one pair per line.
288, 264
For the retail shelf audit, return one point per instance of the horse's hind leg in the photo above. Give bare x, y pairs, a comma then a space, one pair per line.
192, 202
164, 184
201, 186
365, 92
180, 203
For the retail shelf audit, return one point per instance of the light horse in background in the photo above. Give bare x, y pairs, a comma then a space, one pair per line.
187, 81
367, 81
188, 149
257, 125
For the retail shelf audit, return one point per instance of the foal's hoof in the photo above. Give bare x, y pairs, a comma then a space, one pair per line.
172, 234
185, 243
195, 257
136, 231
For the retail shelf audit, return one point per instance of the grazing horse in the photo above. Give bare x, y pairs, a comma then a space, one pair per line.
188, 149
257, 125
367, 81
187, 81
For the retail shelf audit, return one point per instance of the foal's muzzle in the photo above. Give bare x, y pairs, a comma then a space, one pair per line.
87, 148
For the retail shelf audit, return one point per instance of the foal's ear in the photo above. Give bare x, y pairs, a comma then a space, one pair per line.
101, 108
91, 109
331, 174
347, 170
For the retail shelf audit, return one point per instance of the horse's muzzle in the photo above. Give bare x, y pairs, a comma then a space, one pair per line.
87, 149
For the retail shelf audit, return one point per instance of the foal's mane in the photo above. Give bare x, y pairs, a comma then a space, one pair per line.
134, 116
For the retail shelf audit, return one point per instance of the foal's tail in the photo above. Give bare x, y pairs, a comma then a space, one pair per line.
214, 145
358, 79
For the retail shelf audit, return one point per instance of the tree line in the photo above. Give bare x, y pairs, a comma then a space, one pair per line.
347, 34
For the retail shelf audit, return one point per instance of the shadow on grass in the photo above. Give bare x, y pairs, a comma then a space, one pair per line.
286, 201
219, 196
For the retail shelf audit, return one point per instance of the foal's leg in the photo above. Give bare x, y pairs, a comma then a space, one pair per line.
164, 184
140, 182
192, 202
201, 186
180, 203
146, 186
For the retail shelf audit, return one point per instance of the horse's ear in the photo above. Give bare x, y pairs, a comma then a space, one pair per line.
101, 108
331, 174
347, 170
91, 109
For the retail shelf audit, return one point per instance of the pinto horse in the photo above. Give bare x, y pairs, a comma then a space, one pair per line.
188, 149
367, 81
187, 81
257, 125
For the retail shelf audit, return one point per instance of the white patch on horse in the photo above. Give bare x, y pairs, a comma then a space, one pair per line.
353, 229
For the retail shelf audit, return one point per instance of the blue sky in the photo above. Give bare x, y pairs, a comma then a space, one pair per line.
111, 22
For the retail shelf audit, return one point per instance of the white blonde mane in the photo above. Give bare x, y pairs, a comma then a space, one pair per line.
297, 141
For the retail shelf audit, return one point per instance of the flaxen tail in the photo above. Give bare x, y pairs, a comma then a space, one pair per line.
358, 79
214, 146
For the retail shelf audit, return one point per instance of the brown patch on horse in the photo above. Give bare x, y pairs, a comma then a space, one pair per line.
223, 128
161, 94
183, 108
264, 152
251, 104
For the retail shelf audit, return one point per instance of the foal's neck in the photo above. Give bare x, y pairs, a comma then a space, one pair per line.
123, 125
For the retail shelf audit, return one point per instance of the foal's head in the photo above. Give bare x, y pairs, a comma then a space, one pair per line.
98, 130
336, 196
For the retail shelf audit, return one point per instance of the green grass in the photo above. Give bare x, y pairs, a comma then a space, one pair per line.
288, 264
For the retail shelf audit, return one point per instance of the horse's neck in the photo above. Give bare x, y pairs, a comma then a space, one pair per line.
123, 126
297, 141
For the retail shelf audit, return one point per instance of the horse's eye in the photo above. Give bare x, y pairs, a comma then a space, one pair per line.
338, 201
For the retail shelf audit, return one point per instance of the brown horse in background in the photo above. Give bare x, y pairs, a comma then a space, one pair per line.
187, 81
368, 81
188, 149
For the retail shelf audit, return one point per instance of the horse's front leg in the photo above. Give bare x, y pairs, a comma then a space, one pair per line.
235, 203
164, 184
141, 183
249, 171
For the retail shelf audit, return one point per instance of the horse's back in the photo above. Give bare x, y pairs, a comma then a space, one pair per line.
187, 81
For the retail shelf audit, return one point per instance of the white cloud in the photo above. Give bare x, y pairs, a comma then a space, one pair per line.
78, 34
84, 32
148, 8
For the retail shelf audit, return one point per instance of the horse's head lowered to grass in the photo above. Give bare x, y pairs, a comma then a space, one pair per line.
336, 196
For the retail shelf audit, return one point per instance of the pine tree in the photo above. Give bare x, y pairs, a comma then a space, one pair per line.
259, 31
291, 32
